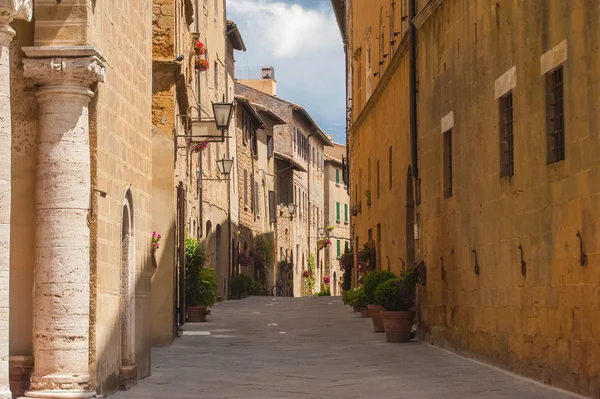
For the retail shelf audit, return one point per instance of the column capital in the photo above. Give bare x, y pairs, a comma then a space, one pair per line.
16, 9
79, 66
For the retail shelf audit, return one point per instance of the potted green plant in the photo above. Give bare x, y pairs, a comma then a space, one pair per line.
368, 195
241, 286
371, 282
397, 296
360, 301
201, 282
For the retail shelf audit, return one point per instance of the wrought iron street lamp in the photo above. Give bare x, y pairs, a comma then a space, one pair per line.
292, 209
225, 166
223, 112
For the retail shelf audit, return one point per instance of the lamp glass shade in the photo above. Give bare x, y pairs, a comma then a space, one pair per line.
225, 165
223, 112
292, 208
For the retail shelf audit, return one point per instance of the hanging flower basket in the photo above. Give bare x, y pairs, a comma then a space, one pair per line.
327, 280
197, 147
199, 47
306, 273
201, 65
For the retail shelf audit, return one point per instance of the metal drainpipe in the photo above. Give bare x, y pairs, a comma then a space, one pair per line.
413, 86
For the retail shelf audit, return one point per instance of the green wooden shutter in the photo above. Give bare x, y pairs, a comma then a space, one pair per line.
337, 176
337, 211
339, 248
346, 213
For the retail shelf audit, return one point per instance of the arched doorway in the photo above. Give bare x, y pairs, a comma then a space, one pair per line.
334, 284
128, 369
218, 246
410, 219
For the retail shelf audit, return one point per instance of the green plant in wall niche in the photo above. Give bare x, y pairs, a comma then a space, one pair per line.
368, 195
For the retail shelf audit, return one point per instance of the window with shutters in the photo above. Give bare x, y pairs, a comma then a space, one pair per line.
390, 167
269, 146
337, 211
339, 248
245, 188
272, 207
378, 186
346, 213
507, 154
448, 164
252, 205
555, 116
257, 198
337, 177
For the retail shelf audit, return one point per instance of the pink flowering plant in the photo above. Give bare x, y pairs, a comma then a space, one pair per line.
306, 273
326, 280
155, 241
197, 147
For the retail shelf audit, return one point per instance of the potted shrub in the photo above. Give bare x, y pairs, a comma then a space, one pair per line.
360, 301
201, 282
397, 296
241, 286
368, 195
371, 282
349, 298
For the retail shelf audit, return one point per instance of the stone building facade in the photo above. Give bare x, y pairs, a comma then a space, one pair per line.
79, 197
294, 142
187, 187
500, 180
337, 214
256, 167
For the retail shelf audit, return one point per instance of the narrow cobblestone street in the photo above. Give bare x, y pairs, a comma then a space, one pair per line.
263, 347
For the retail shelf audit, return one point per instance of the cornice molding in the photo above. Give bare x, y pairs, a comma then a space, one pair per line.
399, 54
426, 12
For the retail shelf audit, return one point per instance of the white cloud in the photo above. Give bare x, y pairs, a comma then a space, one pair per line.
304, 46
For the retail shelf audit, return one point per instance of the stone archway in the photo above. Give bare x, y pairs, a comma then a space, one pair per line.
128, 369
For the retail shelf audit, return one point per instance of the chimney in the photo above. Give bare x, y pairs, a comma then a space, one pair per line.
262, 80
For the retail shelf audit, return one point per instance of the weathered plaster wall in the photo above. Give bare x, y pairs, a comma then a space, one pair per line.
24, 113
24, 110
543, 324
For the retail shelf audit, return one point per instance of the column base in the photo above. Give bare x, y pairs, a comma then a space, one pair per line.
59, 394
128, 377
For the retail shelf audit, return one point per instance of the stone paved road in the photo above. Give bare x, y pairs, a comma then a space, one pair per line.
313, 348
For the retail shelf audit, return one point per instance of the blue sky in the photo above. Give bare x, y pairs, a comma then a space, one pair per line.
301, 40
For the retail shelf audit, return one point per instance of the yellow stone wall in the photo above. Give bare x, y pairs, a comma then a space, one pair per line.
121, 134
379, 121
544, 324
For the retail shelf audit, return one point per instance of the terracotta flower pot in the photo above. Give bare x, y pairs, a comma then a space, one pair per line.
398, 325
375, 311
364, 313
196, 314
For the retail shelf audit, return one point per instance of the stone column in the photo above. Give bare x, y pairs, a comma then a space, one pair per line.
9, 10
62, 235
